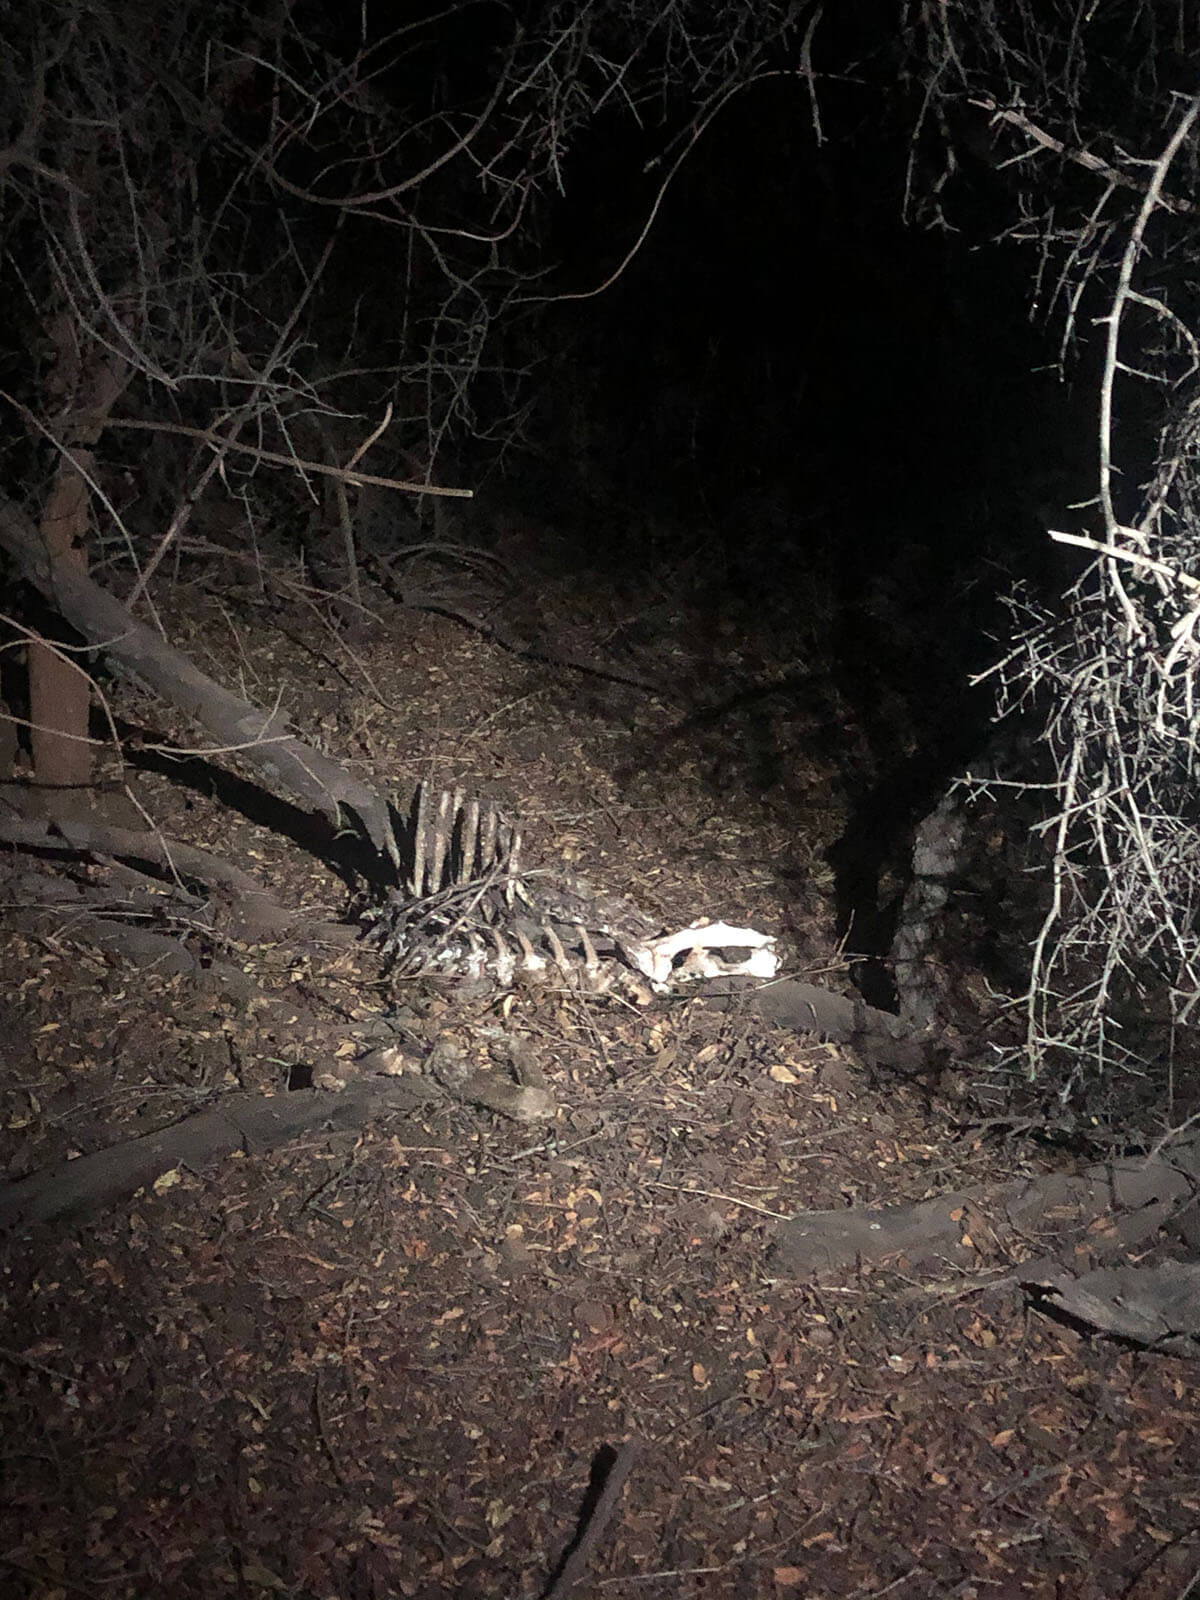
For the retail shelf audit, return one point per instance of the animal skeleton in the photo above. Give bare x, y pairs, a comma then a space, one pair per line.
468, 909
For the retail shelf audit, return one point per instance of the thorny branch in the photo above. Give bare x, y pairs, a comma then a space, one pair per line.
1118, 681
1108, 679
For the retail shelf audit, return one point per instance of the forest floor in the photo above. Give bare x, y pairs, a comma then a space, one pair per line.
390, 1361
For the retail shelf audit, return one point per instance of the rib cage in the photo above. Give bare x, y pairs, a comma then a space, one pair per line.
467, 907
451, 840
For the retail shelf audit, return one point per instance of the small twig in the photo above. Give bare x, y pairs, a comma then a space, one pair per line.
178, 522
663, 1573
20, 1359
323, 1433
727, 1199
528, 651
695, 133
371, 439
1081, 158
275, 458
1115, 552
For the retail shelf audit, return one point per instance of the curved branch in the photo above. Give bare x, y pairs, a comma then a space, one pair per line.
701, 127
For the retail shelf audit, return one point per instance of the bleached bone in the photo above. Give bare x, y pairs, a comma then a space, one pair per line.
469, 840
530, 960
700, 964
512, 864
655, 957
591, 961
558, 954
477, 956
488, 826
447, 812
417, 881
506, 962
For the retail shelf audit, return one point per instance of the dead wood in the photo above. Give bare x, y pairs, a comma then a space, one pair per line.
259, 738
253, 1124
969, 1226
518, 1102
249, 912
1155, 1306
145, 948
879, 1037
595, 1519
141, 947
319, 469
526, 1101
82, 1188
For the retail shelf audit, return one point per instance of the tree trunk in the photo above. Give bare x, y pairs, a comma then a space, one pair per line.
59, 689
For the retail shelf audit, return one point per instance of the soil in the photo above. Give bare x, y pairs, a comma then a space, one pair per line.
397, 1358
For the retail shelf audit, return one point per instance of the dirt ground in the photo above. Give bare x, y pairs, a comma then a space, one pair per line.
391, 1361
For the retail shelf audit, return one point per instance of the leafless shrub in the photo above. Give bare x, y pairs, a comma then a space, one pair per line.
295, 243
1086, 125
284, 225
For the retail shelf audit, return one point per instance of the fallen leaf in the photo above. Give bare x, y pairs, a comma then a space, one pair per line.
789, 1577
254, 1572
498, 1514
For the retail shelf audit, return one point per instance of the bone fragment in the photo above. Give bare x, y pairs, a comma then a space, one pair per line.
469, 837
417, 881
654, 957
441, 830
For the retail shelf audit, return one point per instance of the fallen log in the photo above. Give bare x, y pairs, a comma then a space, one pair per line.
79, 1189
260, 738
1008, 1223
879, 1037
